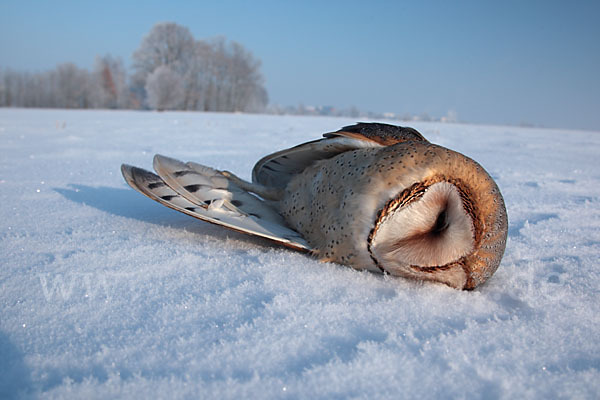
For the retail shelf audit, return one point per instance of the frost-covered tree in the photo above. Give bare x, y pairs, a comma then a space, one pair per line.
167, 44
172, 70
216, 75
246, 86
165, 89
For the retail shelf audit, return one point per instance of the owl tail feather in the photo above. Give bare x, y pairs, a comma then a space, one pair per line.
209, 195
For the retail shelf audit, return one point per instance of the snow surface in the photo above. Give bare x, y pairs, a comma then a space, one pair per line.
105, 293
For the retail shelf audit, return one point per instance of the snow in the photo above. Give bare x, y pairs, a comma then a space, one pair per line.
105, 293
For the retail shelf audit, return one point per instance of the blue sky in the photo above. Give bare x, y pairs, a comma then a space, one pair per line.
506, 62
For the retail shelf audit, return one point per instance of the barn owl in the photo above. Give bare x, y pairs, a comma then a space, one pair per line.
371, 196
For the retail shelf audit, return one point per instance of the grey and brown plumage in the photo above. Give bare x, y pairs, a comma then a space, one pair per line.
370, 196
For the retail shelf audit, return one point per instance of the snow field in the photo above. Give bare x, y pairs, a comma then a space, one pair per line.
105, 293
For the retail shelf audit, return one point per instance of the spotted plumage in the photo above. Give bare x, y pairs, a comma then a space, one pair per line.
370, 196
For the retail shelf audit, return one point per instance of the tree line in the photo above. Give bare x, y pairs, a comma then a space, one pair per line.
171, 71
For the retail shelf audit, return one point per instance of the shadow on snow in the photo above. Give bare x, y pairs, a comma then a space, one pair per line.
130, 204
15, 379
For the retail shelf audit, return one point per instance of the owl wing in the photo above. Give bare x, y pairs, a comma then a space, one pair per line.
208, 195
383, 134
276, 170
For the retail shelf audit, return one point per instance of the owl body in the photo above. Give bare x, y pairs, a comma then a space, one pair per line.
370, 196
338, 205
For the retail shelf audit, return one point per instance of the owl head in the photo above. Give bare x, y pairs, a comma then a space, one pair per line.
449, 227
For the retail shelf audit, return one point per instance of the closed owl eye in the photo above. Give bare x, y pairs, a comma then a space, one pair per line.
441, 222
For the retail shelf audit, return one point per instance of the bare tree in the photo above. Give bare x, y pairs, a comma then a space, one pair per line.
6, 88
165, 89
66, 86
109, 83
72, 87
228, 77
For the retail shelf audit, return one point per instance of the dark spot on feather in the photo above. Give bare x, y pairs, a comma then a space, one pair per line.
236, 203
182, 173
155, 185
168, 197
192, 188
191, 208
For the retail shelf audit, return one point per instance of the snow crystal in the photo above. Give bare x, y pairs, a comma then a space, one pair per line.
105, 293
